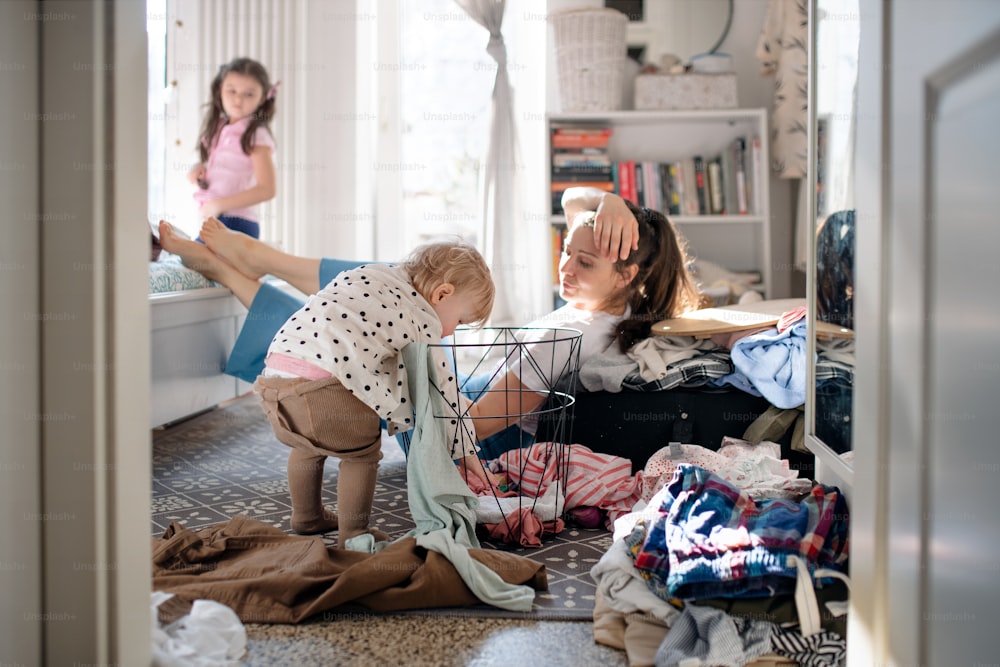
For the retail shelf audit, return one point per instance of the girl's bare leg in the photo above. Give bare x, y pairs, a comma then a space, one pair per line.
201, 259
255, 258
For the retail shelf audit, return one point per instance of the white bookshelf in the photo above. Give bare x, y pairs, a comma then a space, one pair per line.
736, 242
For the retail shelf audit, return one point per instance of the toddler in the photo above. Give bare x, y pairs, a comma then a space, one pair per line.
335, 368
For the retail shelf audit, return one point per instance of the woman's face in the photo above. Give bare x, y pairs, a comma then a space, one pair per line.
586, 279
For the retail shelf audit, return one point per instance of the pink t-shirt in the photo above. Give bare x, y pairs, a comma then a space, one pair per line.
229, 169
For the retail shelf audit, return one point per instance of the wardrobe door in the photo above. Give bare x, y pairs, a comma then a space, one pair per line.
941, 318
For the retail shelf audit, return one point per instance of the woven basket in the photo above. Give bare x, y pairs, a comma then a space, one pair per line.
591, 49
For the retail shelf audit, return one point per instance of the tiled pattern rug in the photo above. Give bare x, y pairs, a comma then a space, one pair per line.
227, 462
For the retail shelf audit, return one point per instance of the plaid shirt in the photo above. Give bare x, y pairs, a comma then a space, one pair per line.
693, 372
712, 540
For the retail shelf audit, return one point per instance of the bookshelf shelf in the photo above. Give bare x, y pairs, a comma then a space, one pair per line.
740, 242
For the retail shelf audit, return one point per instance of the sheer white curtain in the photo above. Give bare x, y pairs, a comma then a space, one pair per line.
500, 183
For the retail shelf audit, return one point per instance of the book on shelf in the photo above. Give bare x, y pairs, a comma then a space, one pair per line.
640, 185
676, 206
652, 187
671, 194
690, 195
576, 159
582, 129
570, 175
580, 137
729, 181
608, 186
626, 180
713, 173
559, 187
700, 185
755, 174
739, 162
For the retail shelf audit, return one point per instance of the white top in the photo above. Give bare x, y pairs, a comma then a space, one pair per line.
356, 327
544, 362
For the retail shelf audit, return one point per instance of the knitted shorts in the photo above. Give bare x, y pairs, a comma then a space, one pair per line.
320, 416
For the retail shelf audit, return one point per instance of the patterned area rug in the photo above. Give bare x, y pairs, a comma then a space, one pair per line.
227, 462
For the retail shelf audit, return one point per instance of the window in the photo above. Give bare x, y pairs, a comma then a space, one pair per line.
156, 30
443, 100
432, 95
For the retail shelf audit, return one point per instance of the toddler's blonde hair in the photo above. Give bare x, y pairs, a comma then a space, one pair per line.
455, 262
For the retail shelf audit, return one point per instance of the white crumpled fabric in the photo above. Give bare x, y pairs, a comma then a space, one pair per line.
210, 635
756, 469
546, 507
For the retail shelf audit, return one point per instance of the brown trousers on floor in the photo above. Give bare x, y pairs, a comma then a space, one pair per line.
320, 418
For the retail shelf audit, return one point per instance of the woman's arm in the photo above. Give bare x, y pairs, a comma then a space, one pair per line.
616, 231
506, 396
265, 189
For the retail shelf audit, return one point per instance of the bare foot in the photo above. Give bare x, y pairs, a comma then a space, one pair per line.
323, 524
235, 247
193, 255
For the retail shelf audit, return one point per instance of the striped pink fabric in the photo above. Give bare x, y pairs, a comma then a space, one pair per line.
587, 478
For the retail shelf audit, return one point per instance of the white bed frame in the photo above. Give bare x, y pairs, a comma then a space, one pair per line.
192, 333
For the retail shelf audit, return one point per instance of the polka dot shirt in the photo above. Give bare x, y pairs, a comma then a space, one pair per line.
356, 327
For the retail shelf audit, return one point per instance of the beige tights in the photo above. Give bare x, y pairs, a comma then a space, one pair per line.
355, 495
305, 485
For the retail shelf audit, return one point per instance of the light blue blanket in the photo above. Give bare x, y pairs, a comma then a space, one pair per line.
775, 363
442, 505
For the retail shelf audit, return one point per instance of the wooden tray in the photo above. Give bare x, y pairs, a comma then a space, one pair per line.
706, 322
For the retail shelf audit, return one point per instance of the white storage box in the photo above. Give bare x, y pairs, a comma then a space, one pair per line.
685, 91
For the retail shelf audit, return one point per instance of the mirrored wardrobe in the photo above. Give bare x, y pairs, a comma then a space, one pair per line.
905, 98
834, 48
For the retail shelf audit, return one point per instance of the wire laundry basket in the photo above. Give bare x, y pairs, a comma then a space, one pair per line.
591, 50
544, 357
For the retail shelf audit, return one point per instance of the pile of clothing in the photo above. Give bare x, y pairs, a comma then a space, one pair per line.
717, 571
551, 480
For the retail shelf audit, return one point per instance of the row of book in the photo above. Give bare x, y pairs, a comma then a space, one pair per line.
580, 158
723, 184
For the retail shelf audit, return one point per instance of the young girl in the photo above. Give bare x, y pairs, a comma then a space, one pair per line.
336, 367
236, 171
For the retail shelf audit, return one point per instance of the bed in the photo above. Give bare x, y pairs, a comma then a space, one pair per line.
193, 326
618, 412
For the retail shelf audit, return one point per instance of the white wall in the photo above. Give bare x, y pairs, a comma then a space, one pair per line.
754, 90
